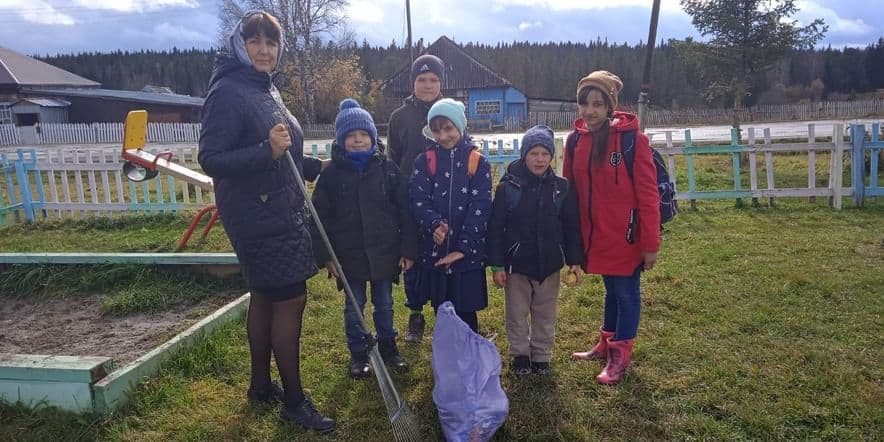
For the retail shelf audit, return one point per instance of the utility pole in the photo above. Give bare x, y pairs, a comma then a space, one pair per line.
408, 20
646, 76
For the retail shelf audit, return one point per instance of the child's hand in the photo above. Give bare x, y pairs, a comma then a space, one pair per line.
499, 278
449, 259
324, 164
405, 264
440, 233
649, 259
330, 267
572, 277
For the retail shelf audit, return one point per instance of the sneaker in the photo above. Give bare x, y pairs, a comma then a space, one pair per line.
541, 368
306, 416
521, 366
391, 355
270, 394
359, 368
416, 324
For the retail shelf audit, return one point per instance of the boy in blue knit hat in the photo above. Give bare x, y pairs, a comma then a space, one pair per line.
534, 230
363, 204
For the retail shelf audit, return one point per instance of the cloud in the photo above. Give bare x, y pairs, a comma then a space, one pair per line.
811, 10
438, 12
175, 33
666, 6
366, 11
38, 11
135, 5
526, 25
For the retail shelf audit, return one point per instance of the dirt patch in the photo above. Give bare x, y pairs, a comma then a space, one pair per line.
74, 326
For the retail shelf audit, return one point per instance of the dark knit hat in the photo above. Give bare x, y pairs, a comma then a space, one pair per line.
353, 117
607, 82
428, 63
539, 135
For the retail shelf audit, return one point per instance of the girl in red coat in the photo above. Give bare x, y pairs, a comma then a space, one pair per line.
619, 214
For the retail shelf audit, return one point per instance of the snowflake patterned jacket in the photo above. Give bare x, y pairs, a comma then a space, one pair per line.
451, 195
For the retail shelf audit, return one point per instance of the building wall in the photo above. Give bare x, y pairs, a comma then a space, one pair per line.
96, 110
497, 104
44, 114
487, 104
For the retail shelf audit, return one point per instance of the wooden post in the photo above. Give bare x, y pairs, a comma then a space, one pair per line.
560, 156
873, 157
768, 164
858, 163
692, 182
837, 165
93, 187
811, 160
738, 185
753, 166
670, 160
53, 189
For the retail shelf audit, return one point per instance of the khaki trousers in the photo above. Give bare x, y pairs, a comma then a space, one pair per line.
531, 315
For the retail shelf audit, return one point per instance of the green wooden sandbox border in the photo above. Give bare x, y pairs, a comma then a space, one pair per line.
87, 383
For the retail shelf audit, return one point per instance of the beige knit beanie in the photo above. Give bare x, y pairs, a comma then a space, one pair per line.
604, 80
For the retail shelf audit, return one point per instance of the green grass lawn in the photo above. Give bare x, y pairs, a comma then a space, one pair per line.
758, 323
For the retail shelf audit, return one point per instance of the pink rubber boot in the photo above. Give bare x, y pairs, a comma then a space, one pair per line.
619, 359
599, 352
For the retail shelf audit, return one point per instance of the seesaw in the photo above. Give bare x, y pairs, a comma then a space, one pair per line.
141, 165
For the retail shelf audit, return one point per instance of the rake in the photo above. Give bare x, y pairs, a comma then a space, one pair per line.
406, 427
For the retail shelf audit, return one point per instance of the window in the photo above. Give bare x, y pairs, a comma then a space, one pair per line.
5, 114
488, 107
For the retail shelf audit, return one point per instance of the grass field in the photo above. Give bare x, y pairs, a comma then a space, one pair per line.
758, 323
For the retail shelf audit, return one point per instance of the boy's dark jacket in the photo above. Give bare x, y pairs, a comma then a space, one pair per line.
366, 216
407, 140
534, 238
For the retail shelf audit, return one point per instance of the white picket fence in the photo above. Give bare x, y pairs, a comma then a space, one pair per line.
9, 135
92, 133
86, 133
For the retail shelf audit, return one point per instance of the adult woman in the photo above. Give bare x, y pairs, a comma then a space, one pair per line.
246, 130
619, 214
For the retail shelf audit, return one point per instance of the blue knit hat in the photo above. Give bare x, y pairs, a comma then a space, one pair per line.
353, 117
451, 109
539, 135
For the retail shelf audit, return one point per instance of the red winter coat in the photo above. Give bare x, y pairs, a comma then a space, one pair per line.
612, 195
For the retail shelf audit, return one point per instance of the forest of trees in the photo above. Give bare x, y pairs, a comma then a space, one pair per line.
541, 70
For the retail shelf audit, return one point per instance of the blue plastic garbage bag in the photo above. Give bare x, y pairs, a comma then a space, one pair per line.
466, 367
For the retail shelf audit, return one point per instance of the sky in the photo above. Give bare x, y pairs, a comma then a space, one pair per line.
41, 27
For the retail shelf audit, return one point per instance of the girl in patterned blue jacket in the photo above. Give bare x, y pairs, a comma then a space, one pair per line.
450, 190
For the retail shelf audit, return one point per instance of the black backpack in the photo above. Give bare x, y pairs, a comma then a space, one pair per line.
668, 204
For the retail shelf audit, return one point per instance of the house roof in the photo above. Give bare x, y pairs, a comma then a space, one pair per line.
462, 70
134, 96
46, 102
20, 70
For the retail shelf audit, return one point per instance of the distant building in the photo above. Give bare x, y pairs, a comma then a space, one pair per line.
33, 92
490, 99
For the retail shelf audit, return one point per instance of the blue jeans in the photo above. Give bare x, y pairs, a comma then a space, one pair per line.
623, 304
382, 300
413, 300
